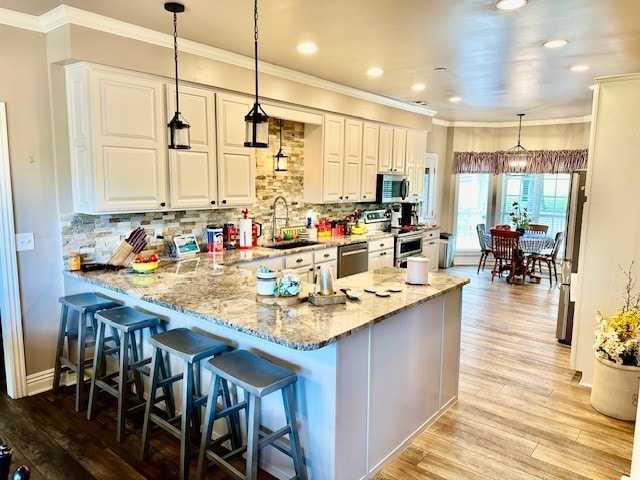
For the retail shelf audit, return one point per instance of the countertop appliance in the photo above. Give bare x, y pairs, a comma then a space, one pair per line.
569, 266
391, 187
409, 212
353, 258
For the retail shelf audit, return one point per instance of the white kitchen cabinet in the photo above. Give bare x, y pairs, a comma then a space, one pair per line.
117, 139
302, 263
193, 172
399, 151
370, 148
236, 163
272, 263
431, 247
352, 160
385, 148
333, 158
381, 253
415, 162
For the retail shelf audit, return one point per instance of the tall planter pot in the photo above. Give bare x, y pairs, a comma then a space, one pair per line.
615, 389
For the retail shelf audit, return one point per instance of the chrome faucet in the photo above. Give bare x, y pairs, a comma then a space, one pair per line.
275, 219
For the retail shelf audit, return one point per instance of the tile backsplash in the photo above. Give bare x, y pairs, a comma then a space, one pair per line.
96, 237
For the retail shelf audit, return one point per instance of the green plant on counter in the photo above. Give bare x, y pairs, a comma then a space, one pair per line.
617, 337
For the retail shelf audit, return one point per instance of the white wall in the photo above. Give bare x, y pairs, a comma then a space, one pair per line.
610, 234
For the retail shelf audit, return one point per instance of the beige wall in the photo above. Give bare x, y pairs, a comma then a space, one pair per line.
24, 86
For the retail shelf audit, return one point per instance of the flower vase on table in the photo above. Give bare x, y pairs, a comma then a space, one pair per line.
519, 218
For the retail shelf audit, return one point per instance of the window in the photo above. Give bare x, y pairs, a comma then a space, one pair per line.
473, 203
544, 195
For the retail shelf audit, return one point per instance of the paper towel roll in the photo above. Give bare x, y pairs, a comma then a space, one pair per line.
417, 270
245, 239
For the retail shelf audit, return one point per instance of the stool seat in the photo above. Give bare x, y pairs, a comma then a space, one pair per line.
85, 305
87, 302
251, 372
258, 377
124, 323
127, 319
187, 344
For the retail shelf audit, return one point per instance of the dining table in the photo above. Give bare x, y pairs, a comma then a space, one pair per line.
529, 244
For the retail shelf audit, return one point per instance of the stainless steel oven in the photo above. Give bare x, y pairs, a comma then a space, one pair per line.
407, 245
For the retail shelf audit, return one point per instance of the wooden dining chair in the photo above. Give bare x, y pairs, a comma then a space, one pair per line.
537, 228
505, 246
504, 226
549, 258
484, 249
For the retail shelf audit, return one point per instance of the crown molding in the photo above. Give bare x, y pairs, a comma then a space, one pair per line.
64, 14
24, 21
529, 123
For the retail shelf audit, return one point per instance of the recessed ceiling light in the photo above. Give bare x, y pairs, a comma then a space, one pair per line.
307, 47
375, 72
579, 68
555, 43
418, 87
455, 99
510, 4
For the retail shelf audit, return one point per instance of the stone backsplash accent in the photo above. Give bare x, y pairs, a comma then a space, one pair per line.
96, 237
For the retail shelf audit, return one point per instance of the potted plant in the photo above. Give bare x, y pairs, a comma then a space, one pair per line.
616, 376
519, 217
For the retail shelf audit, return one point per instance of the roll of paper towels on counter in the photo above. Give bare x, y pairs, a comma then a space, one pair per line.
417, 270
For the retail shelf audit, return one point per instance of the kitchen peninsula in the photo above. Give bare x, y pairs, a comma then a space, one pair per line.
373, 373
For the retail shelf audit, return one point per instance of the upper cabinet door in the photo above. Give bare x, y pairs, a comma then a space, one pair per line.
385, 150
399, 149
352, 160
333, 158
370, 148
117, 140
193, 172
236, 163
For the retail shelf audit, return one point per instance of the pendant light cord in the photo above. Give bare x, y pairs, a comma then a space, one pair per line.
520, 128
175, 55
255, 38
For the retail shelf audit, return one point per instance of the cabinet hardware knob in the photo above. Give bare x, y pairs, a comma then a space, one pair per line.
298, 260
326, 255
346, 198
224, 202
213, 202
163, 204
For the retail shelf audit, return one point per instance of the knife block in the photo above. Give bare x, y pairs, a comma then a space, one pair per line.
121, 254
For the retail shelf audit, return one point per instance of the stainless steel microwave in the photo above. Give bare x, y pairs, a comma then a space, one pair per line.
392, 187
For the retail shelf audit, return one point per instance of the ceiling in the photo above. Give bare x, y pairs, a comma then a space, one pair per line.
493, 59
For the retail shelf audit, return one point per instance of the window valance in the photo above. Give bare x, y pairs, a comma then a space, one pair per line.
533, 161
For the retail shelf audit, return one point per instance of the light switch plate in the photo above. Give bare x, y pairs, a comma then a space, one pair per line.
24, 241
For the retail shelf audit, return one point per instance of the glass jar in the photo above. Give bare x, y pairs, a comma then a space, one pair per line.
74, 261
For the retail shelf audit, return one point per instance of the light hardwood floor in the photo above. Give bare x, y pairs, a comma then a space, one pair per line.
520, 413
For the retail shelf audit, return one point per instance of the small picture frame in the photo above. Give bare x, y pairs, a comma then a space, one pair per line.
186, 245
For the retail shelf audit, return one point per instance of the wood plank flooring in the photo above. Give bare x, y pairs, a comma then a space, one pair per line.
520, 415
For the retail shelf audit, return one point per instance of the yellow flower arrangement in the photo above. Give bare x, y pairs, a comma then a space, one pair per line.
618, 337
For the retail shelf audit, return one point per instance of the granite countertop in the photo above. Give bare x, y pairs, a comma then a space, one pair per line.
237, 256
225, 295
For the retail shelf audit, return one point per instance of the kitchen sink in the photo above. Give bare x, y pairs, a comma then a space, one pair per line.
292, 244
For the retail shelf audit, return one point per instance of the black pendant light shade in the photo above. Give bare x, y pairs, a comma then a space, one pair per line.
256, 121
281, 157
179, 137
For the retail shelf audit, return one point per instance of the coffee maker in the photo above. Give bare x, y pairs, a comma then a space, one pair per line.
409, 214
396, 216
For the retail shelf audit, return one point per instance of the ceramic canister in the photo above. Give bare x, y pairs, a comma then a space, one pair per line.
417, 270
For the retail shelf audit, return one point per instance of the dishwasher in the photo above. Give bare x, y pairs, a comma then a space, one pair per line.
352, 259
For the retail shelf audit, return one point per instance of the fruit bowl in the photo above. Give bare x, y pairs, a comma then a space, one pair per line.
144, 267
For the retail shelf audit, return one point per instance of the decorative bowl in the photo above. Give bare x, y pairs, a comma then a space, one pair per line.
144, 267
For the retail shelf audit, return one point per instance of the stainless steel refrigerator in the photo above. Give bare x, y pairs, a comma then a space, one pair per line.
569, 264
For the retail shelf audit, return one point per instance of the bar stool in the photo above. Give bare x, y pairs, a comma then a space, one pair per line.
258, 378
85, 305
191, 347
124, 322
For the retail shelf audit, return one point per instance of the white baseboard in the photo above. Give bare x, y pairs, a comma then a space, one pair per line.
43, 381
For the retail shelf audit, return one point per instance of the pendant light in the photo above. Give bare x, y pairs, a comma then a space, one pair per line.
256, 121
281, 157
517, 156
178, 127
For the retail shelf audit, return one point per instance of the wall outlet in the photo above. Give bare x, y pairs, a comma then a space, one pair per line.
24, 241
